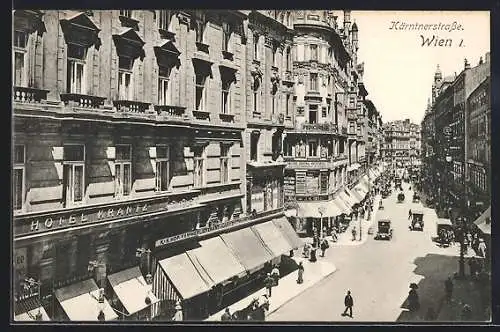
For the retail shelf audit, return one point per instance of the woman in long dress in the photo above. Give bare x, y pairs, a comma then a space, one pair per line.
300, 277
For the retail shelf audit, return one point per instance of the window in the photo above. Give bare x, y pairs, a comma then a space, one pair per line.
313, 113
126, 13
274, 51
18, 177
254, 142
123, 170
288, 59
73, 174
19, 54
224, 163
163, 86
273, 103
323, 181
313, 81
226, 96
199, 167
256, 47
76, 69
162, 168
125, 76
200, 30
226, 36
201, 92
255, 93
314, 52
287, 148
164, 20
313, 149
323, 112
287, 105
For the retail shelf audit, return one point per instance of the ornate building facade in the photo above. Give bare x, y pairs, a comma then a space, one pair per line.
401, 147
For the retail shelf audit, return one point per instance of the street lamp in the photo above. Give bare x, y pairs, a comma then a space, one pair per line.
462, 233
143, 251
321, 211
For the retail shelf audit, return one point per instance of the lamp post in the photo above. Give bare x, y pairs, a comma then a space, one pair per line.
139, 253
321, 211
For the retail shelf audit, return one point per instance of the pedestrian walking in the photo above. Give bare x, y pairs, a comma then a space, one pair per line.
466, 312
324, 246
409, 214
275, 274
269, 283
178, 316
348, 302
300, 273
448, 287
353, 232
226, 315
482, 248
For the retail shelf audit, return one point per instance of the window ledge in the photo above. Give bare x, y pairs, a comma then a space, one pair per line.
165, 34
202, 47
129, 22
228, 55
201, 114
226, 117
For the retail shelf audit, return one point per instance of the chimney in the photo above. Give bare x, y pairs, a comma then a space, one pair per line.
487, 57
466, 64
481, 60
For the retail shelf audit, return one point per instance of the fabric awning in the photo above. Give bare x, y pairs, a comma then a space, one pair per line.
30, 309
132, 290
366, 181
483, 222
350, 196
311, 209
291, 213
373, 173
187, 279
248, 248
273, 238
80, 302
343, 206
217, 259
346, 199
286, 228
359, 193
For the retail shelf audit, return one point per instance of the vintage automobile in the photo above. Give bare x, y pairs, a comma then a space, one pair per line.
401, 197
384, 230
417, 220
444, 231
416, 197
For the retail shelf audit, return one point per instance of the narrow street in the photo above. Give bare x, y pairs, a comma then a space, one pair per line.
378, 273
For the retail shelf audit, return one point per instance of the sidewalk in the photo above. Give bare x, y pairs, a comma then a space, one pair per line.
288, 287
345, 238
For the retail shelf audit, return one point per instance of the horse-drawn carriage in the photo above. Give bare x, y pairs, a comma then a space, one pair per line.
444, 232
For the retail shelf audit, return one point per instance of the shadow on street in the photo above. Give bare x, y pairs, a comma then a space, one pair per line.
434, 269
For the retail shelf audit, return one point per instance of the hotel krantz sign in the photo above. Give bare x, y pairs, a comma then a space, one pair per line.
26, 225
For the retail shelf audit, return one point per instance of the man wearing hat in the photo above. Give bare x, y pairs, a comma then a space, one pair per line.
269, 283
482, 248
226, 315
178, 312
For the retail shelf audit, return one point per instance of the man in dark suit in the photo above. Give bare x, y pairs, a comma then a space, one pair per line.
348, 302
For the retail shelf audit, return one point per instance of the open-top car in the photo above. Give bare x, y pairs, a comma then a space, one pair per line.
384, 230
417, 220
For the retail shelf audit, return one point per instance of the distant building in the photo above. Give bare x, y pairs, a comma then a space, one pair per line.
401, 147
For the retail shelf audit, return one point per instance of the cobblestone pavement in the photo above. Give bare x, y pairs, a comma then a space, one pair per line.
378, 273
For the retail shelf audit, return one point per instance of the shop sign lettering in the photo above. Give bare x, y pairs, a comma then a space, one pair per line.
60, 221
191, 234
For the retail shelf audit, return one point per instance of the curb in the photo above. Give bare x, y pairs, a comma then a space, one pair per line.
302, 291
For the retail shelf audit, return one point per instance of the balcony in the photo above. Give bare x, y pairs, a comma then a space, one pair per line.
84, 101
278, 119
288, 77
29, 95
171, 113
130, 106
313, 95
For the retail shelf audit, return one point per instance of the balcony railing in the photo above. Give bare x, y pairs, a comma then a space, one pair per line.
278, 118
29, 95
171, 112
79, 100
130, 106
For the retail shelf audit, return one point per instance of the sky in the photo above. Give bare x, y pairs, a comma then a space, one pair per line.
399, 71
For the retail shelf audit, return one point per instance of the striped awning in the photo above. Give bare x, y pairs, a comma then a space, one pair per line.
350, 196
483, 222
312, 209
